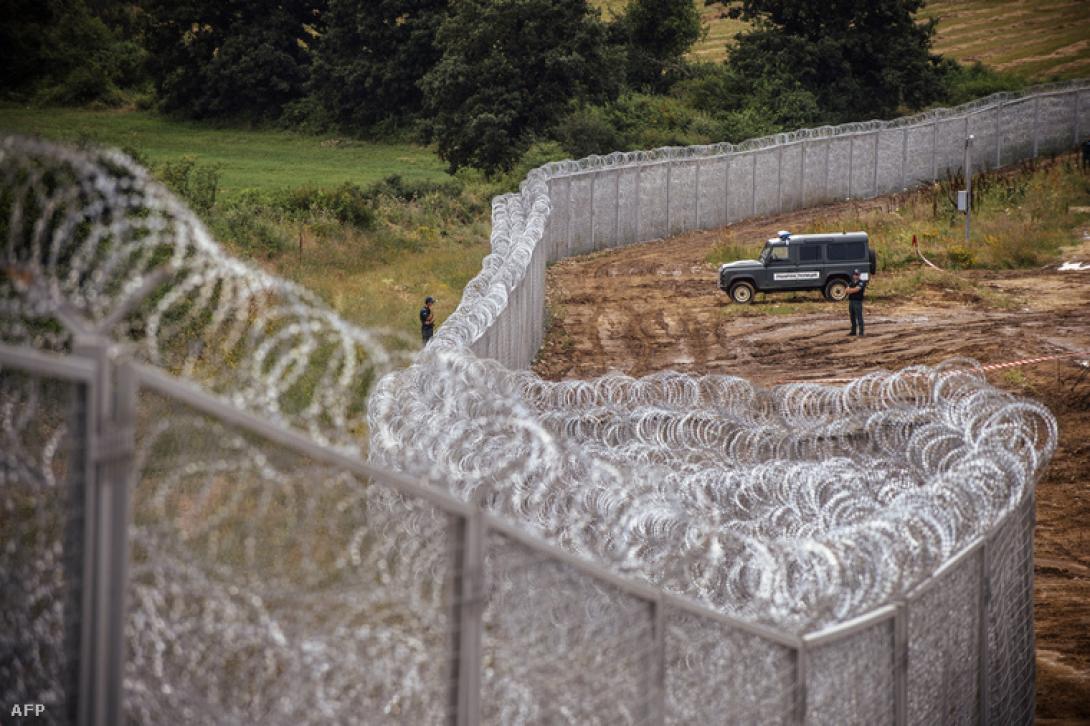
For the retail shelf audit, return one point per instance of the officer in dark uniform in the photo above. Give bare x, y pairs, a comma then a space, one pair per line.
855, 302
427, 319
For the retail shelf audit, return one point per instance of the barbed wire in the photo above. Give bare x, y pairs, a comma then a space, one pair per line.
796, 506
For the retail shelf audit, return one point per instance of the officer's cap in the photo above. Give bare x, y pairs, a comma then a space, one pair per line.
429, 299
855, 272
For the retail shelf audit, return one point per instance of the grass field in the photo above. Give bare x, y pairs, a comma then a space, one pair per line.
374, 277
248, 159
1038, 39
1022, 218
380, 277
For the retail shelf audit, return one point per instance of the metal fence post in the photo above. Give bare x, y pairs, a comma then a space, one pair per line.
1036, 127
79, 547
851, 163
934, 150
983, 598
697, 225
593, 188
656, 671
802, 175
1031, 519
1078, 114
571, 212
904, 159
639, 191
469, 611
616, 206
669, 170
968, 159
801, 664
998, 138
112, 445
726, 192
825, 185
779, 177
900, 665
874, 187
753, 187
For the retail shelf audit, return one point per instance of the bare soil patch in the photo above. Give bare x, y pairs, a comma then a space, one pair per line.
656, 306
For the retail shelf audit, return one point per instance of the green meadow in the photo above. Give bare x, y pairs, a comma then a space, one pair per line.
247, 158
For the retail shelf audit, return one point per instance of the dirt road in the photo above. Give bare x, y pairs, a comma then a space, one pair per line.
655, 306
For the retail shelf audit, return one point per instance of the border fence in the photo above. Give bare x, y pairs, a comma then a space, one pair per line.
125, 604
577, 207
174, 550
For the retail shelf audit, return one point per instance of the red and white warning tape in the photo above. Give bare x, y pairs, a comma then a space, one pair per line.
1029, 361
916, 246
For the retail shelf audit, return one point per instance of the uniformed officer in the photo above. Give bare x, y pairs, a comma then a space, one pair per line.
427, 319
855, 302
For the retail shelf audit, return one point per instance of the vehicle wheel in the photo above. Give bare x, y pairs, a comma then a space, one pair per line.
873, 262
741, 293
836, 290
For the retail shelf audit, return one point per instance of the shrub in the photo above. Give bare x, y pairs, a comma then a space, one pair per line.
195, 182
589, 130
634, 121
959, 257
82, 85
249, 222
350, 205
397, 187
965, 83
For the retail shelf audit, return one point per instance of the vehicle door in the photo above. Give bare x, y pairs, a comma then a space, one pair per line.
846, 256
782, 267
811, 267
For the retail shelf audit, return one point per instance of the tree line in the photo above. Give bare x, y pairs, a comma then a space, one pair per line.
487, 79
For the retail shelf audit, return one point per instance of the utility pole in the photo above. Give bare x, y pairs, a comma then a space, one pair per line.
968, 184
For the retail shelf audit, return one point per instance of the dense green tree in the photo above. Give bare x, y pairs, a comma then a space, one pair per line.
60, 51
230, 58
658, 34
859, 58
509, 70
371, 56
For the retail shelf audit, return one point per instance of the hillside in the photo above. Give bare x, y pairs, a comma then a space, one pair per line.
1037, 40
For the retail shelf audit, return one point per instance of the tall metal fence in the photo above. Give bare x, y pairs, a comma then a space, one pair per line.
192, 531
576, 207
171, 558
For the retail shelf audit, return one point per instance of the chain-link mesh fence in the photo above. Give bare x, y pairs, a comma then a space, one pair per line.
575, 207
670, 549
42, 489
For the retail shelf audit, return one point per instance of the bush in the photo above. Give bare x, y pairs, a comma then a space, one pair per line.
249, 222
744, 124
350, 205
397, 187
634, 121
959, 257
587, 131
195, 182
711, 87
965, 83
83, 85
